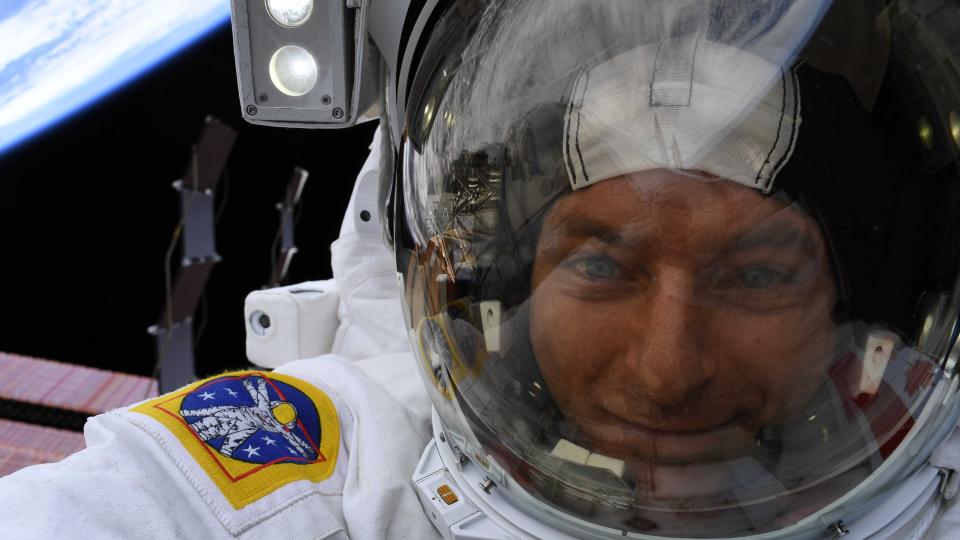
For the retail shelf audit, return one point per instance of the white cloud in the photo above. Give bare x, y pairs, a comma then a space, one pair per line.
87, 38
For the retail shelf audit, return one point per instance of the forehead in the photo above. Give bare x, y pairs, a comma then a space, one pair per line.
678, 209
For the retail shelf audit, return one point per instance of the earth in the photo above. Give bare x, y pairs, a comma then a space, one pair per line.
57, 56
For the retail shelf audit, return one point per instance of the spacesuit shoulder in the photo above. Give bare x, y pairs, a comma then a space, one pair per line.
289, 452
239, 455
250, 444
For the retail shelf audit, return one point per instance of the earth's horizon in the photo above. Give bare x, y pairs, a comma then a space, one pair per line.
59, 56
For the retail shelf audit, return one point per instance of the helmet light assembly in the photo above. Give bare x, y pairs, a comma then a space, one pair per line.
298, 64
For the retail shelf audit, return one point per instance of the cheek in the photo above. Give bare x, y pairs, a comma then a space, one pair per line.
785, 356
565, 343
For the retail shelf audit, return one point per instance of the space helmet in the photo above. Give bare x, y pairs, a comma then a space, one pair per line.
676, 268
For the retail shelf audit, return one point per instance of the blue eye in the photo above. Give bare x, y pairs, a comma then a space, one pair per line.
755, 278
758, 278
595, 268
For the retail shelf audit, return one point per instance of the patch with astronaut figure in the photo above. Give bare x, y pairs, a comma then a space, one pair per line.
252, 432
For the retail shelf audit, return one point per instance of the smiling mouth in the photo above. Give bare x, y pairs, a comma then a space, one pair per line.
682, 444
676, 429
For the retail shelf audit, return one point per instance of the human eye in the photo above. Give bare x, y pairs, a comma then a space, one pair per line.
591, 265
755, 278
594, 267
759, 287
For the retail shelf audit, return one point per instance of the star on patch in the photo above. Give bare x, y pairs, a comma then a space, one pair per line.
235, 424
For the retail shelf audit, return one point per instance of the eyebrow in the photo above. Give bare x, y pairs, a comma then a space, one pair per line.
581, 226
776, 235
770, 236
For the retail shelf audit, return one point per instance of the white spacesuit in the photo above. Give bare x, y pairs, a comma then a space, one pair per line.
668, 269
136, 479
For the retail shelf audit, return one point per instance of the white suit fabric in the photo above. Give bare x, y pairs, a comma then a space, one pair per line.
135, 481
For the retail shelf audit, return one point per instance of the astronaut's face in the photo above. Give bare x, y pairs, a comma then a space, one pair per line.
675, 315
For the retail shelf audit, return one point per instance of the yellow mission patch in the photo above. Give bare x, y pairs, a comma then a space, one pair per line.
252, 432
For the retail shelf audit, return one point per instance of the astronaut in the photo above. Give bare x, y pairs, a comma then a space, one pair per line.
668, 269
238, 422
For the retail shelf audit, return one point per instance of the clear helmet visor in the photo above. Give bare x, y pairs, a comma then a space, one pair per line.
686, 269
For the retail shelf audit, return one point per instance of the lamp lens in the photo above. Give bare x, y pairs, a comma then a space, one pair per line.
290, 12
293, 70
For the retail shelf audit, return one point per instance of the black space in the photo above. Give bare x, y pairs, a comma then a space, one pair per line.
87, 212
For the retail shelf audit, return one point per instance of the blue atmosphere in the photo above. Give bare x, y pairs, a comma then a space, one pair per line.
59, 56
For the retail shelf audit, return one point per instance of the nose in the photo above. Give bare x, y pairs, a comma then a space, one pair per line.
663, 359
